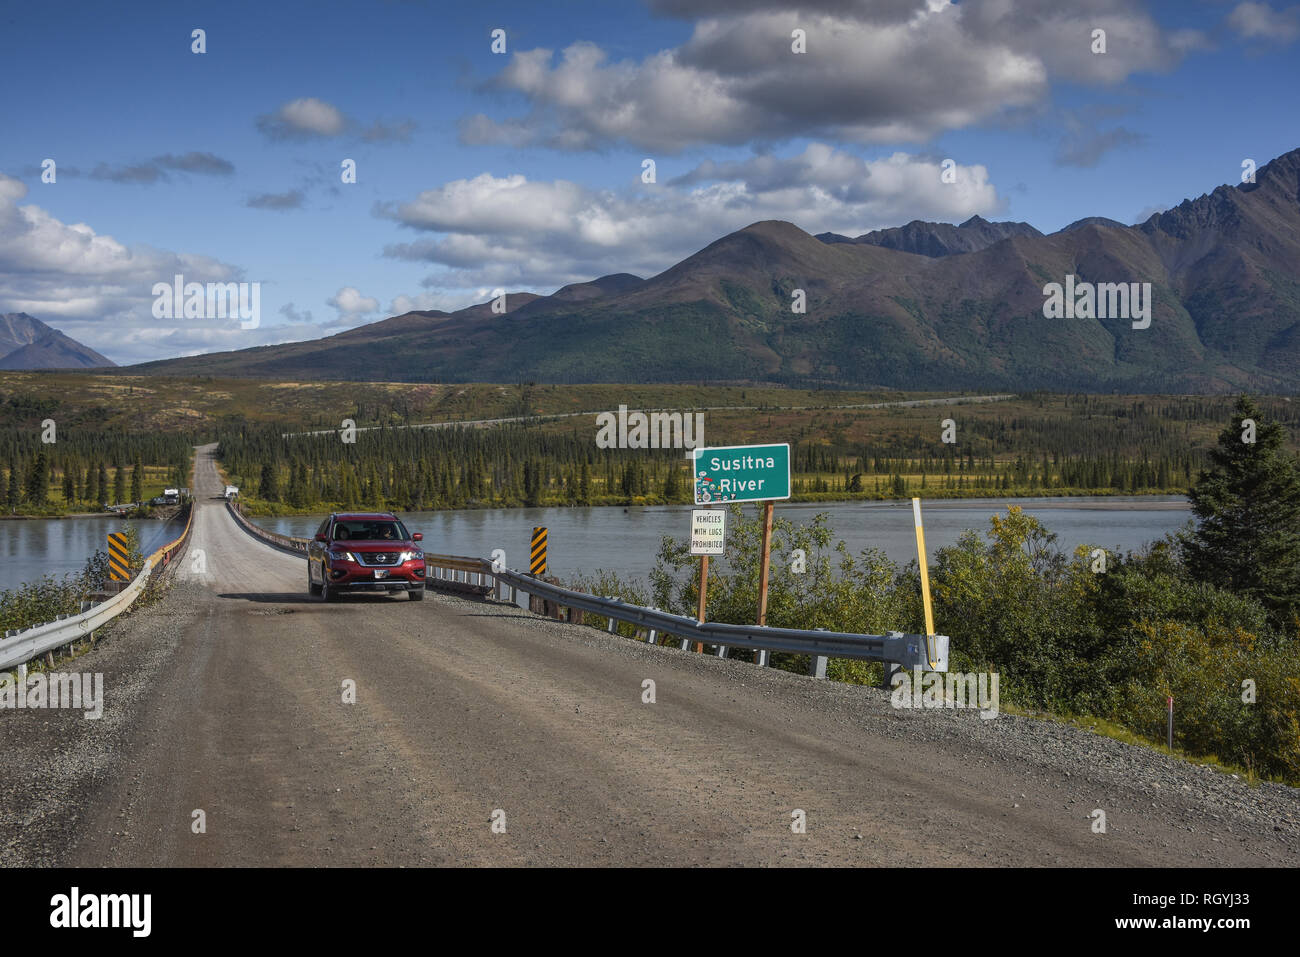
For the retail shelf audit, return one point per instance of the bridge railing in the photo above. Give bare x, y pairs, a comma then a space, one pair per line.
478, 575
297, 546
21, 645
930, 653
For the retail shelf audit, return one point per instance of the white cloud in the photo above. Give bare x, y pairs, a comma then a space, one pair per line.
1084, 142
303, 118
99, 291
294, 316
351, 304
91, 286
291, 199
897, 72
1259, 21
509, 231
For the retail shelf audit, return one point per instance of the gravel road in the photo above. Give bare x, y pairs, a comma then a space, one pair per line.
226, 697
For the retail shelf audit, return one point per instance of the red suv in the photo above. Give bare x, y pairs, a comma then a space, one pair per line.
365, 551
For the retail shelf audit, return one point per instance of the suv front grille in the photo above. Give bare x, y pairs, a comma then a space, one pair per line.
378, 558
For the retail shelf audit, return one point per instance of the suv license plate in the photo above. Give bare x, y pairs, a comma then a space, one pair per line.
381, 573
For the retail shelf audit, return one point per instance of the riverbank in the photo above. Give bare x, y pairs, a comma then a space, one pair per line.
151, 514
933, 498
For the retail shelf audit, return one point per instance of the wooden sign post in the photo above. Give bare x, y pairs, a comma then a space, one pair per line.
708, 537
704, 594
746, 473
763, 569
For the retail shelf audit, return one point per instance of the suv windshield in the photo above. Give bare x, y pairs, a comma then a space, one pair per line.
370, 531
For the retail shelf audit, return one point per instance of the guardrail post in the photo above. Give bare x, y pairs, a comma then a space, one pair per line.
817, 663
760, 657
722, 651
891, 668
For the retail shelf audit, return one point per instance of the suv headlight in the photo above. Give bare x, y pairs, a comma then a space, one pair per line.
411, 555
336, 556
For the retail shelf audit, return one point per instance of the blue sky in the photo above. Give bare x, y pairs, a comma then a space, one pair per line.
523, 170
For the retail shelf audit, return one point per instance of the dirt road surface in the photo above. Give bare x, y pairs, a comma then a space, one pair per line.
226, 698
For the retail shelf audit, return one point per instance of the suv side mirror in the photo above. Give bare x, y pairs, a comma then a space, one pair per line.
322, 537
417, 537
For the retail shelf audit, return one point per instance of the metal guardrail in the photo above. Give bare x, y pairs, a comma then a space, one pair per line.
297, 546
930, 653
910, 651
28, 643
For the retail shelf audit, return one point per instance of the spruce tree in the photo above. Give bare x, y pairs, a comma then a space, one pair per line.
269, 486
38, 481
15, 493
672, 483
1247, 506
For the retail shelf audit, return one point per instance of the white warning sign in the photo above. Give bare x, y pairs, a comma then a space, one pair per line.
708, 531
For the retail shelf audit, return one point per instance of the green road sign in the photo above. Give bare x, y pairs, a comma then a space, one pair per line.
742, 473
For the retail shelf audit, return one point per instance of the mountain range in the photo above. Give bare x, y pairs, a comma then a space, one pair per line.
27, 343
922, 306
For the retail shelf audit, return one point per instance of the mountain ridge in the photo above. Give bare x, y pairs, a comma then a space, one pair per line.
28, 344
1223, 270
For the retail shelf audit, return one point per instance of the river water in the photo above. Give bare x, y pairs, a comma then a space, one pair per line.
587, 540
33, 548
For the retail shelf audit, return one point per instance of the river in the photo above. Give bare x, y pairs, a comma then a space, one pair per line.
586, 540
33, 548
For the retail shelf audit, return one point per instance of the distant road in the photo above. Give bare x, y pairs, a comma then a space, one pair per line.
225, 698
485, 423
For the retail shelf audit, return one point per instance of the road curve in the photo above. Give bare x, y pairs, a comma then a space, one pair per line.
226, 698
